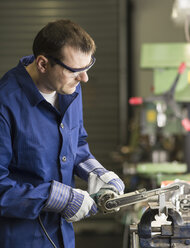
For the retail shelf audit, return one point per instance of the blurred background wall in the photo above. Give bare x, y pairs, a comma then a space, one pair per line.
150, 23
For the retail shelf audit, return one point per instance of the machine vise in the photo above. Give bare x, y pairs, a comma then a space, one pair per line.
166, 221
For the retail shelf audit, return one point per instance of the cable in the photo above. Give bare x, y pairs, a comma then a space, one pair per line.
47, 235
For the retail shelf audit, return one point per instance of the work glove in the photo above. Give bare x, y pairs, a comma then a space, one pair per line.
72, 204
80, 205
100, 178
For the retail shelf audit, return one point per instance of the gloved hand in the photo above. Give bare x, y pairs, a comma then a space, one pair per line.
72, 204
101, 178
80, 205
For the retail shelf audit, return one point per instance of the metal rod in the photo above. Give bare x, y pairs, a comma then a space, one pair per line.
133, 236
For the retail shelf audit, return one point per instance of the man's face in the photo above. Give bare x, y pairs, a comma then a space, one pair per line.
60, 79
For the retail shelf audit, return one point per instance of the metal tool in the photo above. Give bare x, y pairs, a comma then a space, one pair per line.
108, 201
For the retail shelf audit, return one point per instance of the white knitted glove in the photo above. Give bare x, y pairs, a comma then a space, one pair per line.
79, 206
102, 178
72, 204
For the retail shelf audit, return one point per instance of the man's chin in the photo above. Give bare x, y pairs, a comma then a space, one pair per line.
68, 91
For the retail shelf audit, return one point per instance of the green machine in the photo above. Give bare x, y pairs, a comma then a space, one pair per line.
164, 59
163, 112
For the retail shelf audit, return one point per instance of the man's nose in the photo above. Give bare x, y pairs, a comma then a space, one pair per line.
83, 77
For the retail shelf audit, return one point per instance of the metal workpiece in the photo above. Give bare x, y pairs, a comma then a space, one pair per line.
133, 236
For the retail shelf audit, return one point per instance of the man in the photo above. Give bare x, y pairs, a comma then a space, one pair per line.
42, 142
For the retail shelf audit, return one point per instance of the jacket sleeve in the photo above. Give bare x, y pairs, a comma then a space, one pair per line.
17, 200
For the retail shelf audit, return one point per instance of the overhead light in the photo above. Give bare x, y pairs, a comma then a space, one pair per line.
181, 11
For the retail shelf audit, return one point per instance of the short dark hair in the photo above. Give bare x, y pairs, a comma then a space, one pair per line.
55, 35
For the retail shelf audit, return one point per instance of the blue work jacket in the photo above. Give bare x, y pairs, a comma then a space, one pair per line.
38, 144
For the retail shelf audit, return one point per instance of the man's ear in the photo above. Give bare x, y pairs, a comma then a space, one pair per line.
42, 62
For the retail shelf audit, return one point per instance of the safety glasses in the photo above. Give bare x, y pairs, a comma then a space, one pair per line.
84, 69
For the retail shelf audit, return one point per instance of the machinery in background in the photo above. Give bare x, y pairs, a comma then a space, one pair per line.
164, 119
161, 114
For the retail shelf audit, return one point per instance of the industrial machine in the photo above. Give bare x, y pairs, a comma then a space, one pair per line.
166, 221
164, 121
